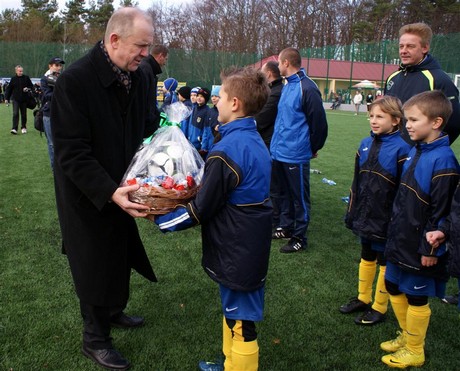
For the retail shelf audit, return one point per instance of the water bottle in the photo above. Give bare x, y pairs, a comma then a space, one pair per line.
328, 181
315, 171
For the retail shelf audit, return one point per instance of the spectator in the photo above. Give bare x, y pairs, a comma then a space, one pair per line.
420, 72
99, 116
193, 94
47, 83
184, 96
300, 132
169, 92
18, 91
357, 100
152, 67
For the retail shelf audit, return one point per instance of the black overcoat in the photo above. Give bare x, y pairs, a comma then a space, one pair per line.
97, 128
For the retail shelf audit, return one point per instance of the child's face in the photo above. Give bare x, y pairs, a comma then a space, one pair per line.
193, 97
215, 99
381, 122
200, 100
224, 106
421, 128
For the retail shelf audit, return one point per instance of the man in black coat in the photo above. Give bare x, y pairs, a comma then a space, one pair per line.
18, 91
99, 115
151, 67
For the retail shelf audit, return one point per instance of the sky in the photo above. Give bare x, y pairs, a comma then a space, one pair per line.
143, 4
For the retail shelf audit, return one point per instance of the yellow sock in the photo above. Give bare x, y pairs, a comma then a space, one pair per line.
245, 356
381, 295
418, 319
400, 305
227, 343
367, 271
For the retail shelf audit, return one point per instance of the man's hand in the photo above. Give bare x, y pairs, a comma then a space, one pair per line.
120, 197
429, 261
435, 238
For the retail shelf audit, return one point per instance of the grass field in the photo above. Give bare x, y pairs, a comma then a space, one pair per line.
40, 324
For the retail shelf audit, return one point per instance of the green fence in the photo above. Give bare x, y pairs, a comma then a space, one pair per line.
202, 68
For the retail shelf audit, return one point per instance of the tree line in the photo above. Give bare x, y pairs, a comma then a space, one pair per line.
242, 26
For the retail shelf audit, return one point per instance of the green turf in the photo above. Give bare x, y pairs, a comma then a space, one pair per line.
40, 325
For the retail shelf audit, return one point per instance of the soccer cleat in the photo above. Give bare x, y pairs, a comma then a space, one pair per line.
13, 131
354, 305
24, 131
394, 345
210, 366
369, 318
281, 233
295, 244
451, 299
404, 358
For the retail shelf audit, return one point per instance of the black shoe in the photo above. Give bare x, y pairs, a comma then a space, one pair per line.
124, 321
295, 244
355, 305
107, 358
451, 299
369, 318
280, 233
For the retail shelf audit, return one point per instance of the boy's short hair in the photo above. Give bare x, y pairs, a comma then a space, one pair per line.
432, 104
249, 86
390, 105
422, 30
292, 55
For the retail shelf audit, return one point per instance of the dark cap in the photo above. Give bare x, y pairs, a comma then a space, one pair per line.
205, 93
184, 91
56, 60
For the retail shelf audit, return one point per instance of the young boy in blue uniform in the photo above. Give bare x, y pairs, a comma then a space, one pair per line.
233, 207
416, 270
378, 167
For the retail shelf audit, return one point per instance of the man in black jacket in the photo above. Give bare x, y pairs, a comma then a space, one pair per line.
18, 89
420, 72
151, 66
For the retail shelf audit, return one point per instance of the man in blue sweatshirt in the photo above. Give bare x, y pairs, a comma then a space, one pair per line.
300, 132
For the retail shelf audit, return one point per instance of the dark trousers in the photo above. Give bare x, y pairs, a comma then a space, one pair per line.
96, 325
291, 190
19, 107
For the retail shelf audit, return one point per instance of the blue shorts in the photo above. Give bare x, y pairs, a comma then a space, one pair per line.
414, 284
242, 305
375, 246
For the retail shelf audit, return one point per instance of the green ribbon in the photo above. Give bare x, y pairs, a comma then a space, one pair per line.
164, 123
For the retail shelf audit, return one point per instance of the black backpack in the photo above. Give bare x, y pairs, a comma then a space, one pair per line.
38, 120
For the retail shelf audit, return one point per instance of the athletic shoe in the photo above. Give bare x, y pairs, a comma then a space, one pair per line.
394, 345
295, 244
451, 299
210, 366
369, 318
354, 305
404, 358
13, 131
280, 233
24, 131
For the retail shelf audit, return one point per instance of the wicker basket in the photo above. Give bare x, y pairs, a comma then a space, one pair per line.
160, 200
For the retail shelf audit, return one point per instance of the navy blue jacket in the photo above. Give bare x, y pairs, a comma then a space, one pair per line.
301, 126
195, 126
426, 76
378, 168
233, 207
430, 176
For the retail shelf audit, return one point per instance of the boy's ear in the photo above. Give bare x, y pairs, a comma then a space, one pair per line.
437, 123
236, 104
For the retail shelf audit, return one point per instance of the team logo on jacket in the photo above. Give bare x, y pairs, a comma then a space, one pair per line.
198, 119
390, 85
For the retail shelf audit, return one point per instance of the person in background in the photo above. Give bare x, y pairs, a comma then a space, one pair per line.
152, 67
169, 92
47, 83
234, 210
99, 116
357, 100
184, 96
369, 100
193, 94
378, 166
214, 112
415, 270
300, 132
420, 72
18, 91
